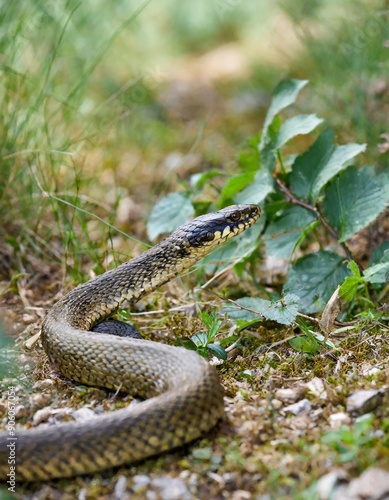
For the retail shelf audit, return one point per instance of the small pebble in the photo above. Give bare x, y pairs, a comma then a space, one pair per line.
299, 407
120, 491
20, 412
317, 388
140, 482
42, 415
83, 414
43, 384
364, 401
339, 419
328, 483
290, 395
171, 488
276, 404
39, 400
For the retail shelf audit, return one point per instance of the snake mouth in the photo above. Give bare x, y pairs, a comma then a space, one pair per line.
214, 229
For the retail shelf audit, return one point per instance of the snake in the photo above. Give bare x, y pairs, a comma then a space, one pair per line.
181, 395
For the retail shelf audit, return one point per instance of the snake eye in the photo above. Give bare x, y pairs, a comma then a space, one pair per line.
235, 216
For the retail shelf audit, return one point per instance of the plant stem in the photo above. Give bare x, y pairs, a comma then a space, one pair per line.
291, 198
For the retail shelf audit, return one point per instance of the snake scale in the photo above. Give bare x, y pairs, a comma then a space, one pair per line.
182, 396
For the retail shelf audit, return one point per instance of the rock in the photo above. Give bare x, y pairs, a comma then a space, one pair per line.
39, 400
290, 395
276, 404
120, 491
372, 484
140, 482
299, 407
241, 495
83, 414
364, 401
329, 483
20, 412
42, 415
170, 488
43, 384
339, 419
317, 388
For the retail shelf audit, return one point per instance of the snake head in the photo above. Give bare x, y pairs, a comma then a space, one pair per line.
210, 230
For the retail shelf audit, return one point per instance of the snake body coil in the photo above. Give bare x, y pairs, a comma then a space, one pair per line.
183, 397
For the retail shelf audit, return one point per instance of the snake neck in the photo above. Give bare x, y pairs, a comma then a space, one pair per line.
99, 298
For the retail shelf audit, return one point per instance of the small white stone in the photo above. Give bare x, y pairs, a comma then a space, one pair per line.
317, 388
299, 407
41, 415
339, 419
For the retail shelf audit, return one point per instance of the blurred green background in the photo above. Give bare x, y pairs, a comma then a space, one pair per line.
106, 106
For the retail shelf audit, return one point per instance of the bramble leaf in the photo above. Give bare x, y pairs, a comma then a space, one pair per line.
316, 167
169, 213
283, 311
297, 125
284, 95
314, 277
354, 199
282, 234
260, 187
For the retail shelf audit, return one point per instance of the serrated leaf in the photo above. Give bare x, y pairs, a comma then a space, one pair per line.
354, 199
282, 234
316, 167
297, 125
283, 311
307, 165
335, 164
314, 278
218, 351
284, 95
169, 213
258, 189
304, 344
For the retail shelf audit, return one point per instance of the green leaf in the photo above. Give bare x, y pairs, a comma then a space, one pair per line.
283, 311
316, 167
353, 266
218, 351
304, 344
284, 95
187, 343
350, 286
314, 278
198, 180
307, 164
335, 164
200, 339
301, 124
234, 185
354, 199
282, 234
169, 213
228, 340
258, 189
379, 273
